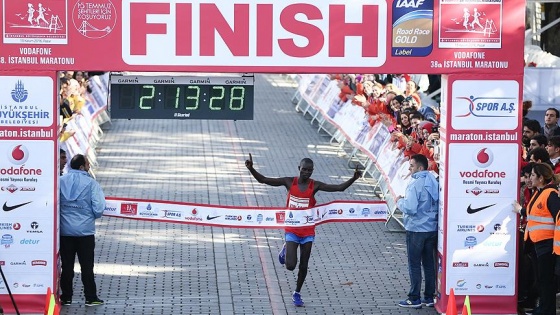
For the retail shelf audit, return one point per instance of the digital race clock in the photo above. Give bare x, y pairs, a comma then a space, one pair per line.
181, 97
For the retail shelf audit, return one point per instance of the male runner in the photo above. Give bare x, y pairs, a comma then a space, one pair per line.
301, 195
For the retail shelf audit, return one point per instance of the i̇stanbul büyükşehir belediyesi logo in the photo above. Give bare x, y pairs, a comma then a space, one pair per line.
19, 93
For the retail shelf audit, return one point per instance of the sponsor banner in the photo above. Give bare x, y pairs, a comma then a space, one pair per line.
471, 24
26, 102
479, 172
36, 262
27, 282
245, 217
479, 163
332, 36
493, 104
481, 228
26, 179
481, 284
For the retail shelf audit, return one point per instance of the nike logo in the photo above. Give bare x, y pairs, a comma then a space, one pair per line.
10, 208
475, 210
212, 218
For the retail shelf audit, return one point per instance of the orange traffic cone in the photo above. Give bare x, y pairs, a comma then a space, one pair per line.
466, 307
47, 301
50, 304
451, 307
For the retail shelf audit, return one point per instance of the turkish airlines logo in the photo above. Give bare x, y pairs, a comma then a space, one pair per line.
483, 158
18, 155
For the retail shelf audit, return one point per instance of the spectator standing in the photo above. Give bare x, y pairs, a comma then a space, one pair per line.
538, 141
63, 159
81, 202
301, 195
531, 128
539, 155
527, 104
553, 149
420, 209
541, 212
550, 127
527, 271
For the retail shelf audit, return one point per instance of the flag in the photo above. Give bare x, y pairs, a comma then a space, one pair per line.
466, 307
51, 307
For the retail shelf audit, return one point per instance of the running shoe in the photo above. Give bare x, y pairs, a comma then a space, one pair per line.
282, 255
428, 302
411, 304
95, 302
66, 302
296, 298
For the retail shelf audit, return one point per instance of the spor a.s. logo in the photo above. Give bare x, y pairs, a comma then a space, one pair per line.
487, 106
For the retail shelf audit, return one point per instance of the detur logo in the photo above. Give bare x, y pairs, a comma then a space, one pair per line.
488, 106
18, 155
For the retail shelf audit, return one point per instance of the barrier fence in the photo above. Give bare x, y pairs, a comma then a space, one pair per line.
86, 126
318, 96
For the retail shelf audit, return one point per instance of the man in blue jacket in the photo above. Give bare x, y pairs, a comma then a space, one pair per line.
81, 202
420, 209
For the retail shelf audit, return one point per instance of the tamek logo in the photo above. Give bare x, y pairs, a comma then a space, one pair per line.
483, 158
501, 264
19, 93
38, 262
488, 106
18, 155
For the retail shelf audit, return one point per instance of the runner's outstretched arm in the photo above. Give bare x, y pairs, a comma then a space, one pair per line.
340, 187
281, 181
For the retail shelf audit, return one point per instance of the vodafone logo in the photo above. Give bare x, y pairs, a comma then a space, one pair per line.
18, 155
483, 157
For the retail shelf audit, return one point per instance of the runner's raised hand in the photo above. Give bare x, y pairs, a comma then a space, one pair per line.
249, 162
357, 173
